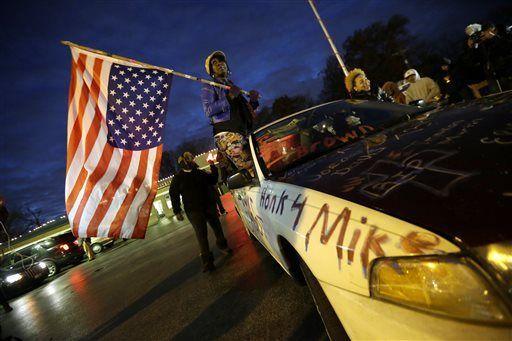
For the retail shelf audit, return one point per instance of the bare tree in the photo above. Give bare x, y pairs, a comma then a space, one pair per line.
32, 216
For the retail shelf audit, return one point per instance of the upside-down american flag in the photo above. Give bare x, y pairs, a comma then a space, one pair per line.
116, 122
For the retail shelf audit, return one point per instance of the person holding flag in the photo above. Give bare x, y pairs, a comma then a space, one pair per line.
230, 113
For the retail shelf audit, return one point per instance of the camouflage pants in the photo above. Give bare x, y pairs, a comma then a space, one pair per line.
235, 147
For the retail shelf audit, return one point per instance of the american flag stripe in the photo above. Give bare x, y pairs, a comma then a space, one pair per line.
115, 193
108, 195
72, 85
109, 156
76, 175
93, 179
142, 221
82, 123
77, 103
117, 223
91, 119
141, 195
74, 89
110, 189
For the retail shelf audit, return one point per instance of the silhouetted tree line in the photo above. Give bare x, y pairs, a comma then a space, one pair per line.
20, 221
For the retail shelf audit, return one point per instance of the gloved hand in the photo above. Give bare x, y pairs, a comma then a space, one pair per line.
234, 91
179, 216
254, 95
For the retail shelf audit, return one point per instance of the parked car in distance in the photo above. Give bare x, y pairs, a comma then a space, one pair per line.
56, 252
19, 274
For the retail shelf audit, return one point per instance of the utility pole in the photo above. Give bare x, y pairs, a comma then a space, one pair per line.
329, 39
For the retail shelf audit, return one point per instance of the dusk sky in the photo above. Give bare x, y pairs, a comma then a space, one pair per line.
276, 47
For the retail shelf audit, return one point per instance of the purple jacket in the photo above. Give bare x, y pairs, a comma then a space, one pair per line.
227, 115
215, 103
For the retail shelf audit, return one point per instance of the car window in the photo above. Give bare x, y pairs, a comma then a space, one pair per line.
21, 254
48, 243
64, 238
304, 136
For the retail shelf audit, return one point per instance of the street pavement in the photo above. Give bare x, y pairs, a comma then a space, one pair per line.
154, 289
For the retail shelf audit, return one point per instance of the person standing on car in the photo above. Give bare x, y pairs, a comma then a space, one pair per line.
420, 88
193, 185
229, 112
4, 215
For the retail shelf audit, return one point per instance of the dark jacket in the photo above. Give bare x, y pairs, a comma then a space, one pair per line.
194, 188
225, 114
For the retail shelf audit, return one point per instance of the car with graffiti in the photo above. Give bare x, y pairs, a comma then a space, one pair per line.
396, 219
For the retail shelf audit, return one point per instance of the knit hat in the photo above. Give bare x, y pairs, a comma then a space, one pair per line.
349, 80
411, 72
208, 61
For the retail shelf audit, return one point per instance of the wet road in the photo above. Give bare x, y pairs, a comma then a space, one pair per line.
154, 289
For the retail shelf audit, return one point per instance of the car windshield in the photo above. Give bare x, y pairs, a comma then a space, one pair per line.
311, 133
65, 238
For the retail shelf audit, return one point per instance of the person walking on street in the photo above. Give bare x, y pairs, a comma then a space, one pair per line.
86, 245
193, 185
230, 113
212, 190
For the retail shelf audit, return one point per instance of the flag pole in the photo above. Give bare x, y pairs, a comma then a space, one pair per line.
166, 70
329, 39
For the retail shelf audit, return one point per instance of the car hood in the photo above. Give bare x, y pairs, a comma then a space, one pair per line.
448, 170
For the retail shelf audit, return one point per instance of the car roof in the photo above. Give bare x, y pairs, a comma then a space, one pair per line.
350, 103
291, 115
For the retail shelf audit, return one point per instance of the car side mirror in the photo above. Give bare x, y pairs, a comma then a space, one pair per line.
240, 179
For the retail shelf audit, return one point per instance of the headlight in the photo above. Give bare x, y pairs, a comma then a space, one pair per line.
446, 285
13, 278
41, 265
499, 257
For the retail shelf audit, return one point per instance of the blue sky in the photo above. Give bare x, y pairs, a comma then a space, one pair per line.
276, 47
